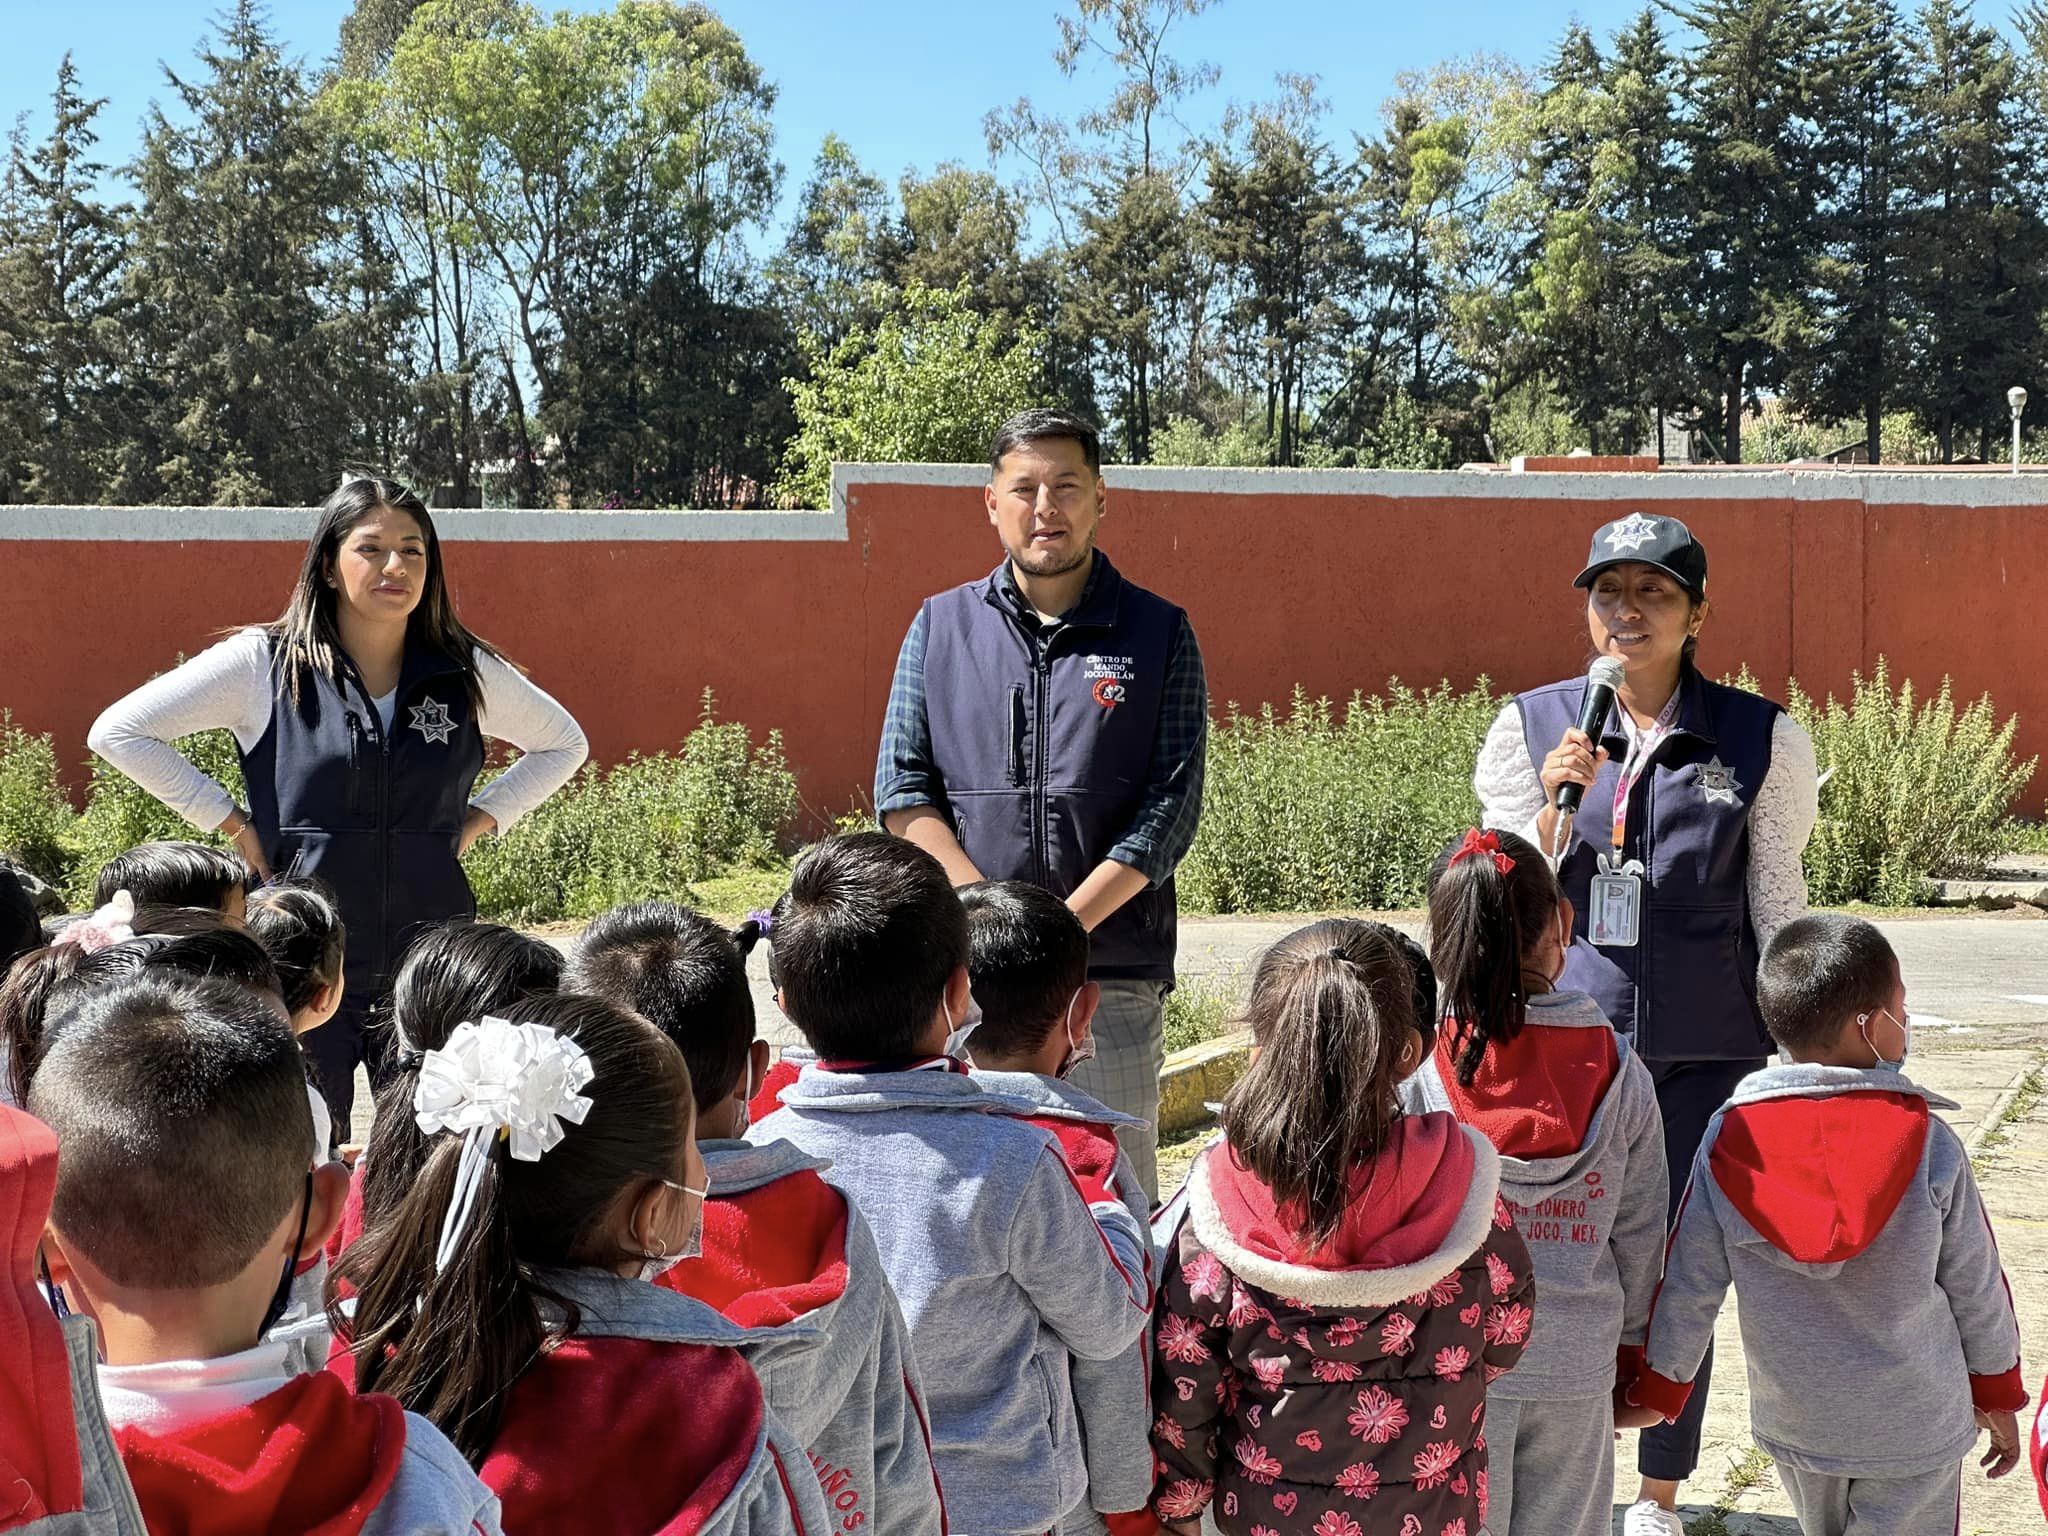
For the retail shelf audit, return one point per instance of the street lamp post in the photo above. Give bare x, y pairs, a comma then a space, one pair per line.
2016, 397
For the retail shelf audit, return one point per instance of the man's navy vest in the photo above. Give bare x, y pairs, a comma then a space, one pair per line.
1044, 764
1687, 991
376, 815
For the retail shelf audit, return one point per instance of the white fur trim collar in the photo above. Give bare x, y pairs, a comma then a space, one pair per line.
1350, 1287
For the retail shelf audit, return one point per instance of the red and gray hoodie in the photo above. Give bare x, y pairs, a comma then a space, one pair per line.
1874, 1313
1112, 1398
789, 1260
1344, 1388
1573, 1113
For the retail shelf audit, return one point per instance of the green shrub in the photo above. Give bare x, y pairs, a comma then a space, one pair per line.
1314, 811
119, 813
1916, 790
34, 814
645, 828
1200, 1009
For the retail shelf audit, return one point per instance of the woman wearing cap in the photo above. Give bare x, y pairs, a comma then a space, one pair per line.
360, 718
1684, 859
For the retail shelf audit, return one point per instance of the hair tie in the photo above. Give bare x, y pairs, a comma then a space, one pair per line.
110, 925
495, 1079
409, 1061
1476, 843
762, 919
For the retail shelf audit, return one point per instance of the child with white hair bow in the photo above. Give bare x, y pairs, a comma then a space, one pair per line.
504, 1296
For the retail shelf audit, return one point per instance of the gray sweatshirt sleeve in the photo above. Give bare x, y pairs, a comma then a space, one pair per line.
1970, 1275
1083, 1266
907, 1494
1639, 1228
1696, 1280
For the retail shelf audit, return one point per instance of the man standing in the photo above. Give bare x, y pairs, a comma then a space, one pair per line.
1047, 723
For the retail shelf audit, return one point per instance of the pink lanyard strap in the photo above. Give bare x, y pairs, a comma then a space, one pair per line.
1636, 763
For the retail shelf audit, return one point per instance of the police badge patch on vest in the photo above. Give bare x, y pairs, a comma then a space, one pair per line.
1718, 783
432, 720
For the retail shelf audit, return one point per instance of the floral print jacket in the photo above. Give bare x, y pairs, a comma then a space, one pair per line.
1304, 1400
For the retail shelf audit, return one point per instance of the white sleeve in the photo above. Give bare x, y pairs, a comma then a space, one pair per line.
552, 745
1781, 819
224, 687
1510, 795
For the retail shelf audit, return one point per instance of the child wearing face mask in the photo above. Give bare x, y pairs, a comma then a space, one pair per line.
1027, 961
1876, 1321
505, 1296
786, 1256
1572, 1112
1004, 1269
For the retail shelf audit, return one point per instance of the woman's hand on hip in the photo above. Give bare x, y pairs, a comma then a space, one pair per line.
475, 825
1576, 760
246, 842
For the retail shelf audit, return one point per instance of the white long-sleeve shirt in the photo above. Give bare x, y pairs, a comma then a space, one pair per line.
1781, 817
229, 687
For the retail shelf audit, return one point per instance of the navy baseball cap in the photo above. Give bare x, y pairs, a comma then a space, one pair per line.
1649, 539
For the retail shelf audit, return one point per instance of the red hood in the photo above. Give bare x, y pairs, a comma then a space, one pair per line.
1090, 1152
680, 1425
1819, 1177
39, 1462
308, 1458
1535, 1096
1404, 1202
772, 1254
351, 1226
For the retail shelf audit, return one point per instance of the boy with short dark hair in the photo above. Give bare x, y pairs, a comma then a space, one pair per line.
1002, 1267
1027, 962
177, 874
184, 1202
786, 1256
1877, 1324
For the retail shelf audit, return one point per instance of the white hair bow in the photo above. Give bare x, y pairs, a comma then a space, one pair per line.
495, 1078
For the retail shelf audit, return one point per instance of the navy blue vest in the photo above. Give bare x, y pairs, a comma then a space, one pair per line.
376, 816
1687, 991
1045, 763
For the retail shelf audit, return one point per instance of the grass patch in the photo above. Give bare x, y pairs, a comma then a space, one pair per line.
1200, 1010
1746, 1473
1178, 1155
731, 896
2017, 1108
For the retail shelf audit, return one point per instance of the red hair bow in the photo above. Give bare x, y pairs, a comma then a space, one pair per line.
1476, 843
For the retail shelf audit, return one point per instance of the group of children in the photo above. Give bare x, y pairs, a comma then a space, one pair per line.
603, 1267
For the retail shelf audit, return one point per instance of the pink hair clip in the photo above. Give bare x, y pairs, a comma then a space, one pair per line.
1476, 843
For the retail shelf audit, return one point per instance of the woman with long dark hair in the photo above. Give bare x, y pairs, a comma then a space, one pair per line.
360, 717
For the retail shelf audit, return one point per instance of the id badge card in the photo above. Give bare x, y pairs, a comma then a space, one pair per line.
1616, 921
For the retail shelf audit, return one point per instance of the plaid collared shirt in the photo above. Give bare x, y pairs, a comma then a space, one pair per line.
1159, 836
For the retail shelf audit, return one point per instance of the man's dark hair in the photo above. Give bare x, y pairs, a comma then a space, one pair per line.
182, 1128
1027, 955
685, 975
1040, 423
866, 938
172, 875
20, 929
1820, 970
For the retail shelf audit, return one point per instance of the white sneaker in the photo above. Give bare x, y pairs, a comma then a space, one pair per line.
1649, 1519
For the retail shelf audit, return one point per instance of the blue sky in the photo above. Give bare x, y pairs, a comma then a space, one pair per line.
905, 82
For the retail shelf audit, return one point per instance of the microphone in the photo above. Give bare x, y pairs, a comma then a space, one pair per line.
1602, 678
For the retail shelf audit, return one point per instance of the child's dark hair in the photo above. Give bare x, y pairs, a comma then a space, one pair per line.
1483, 920
1422, 995
172, 874
20, 929
300, 925
451, 1345
685, 975
185, 941
1027, 955
182, 1125
866, 938
1819, 970
1331, 1008
454, 973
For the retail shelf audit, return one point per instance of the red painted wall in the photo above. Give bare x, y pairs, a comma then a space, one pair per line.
1436, 577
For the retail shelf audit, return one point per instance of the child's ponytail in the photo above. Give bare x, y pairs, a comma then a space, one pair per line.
1331, 1009
300, 925
1491, 897
452, 1302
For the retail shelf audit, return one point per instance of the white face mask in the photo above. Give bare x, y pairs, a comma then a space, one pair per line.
654, 1265
1076, 1052
958, 1035
1905, 1037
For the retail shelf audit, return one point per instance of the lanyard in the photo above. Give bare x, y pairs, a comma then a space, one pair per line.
1643, 746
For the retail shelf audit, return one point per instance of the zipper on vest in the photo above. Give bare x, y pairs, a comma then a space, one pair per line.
1041, 673
355, 759
1018, 722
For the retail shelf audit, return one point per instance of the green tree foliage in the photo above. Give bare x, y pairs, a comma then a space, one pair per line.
931, 382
